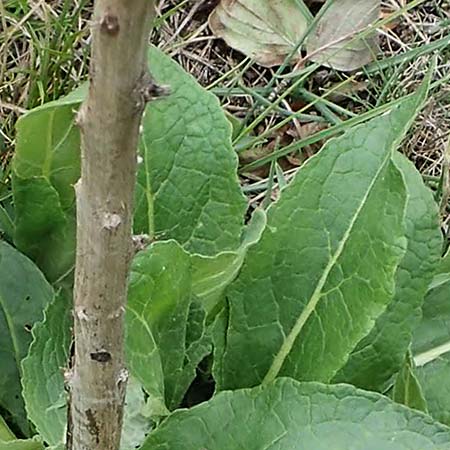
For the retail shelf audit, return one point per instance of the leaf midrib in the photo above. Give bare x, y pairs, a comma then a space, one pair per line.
430, 355
11, 328
310, 307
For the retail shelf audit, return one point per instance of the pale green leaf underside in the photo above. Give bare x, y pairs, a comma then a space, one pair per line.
46, 166
379, 355
159, 341
43, 380
324, 269
212, 274
23, 444
287, 415
337, 33
5, 433
24, 294
264, 30
136, 425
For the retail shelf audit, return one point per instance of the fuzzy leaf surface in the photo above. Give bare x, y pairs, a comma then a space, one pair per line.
380, 355
287, 415
43, 378
187, 186
324, 268
165, 326
24, 294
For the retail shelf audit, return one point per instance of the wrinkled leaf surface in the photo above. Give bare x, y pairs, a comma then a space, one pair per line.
288, 415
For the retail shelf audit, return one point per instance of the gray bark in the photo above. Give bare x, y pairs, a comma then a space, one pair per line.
109, 121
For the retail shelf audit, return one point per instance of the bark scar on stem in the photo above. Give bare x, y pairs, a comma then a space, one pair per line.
111, 221
102, 356
149, 90
110, 24
140, 242
92, 425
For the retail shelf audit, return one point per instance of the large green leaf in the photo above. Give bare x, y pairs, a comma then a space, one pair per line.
287, 415
43, 379
45, 168
187, 183
197, 346
24, 294
378, 356
324, 269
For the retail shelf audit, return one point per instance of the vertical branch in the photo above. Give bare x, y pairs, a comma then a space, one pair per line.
109, 121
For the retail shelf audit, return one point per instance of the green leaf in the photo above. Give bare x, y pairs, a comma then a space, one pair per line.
407, 389
5, 433
43, 381
378, 356
48, 144
287, 415
432, 336
431, 346
212, 274
43, 231
340, 38
197, 346
43, 378
24, 294
136, 425
314, 285
434, 378
46, 166
6, 224
159, 298
187, 185
188, 188
23, 444
264, 30
166, 316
